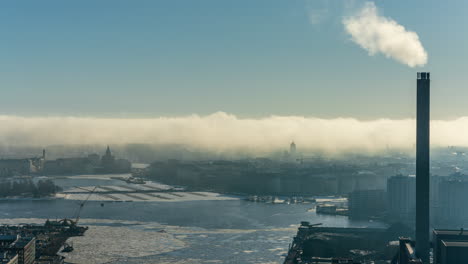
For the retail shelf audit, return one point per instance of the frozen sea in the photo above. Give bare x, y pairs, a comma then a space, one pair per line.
218, 230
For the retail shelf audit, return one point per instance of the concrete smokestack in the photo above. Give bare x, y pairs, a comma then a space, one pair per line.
422, 166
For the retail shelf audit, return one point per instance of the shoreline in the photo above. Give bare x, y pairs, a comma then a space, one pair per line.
31, 198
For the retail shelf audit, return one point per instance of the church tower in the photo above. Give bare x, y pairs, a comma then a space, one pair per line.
108, 152
108, 161
292, 149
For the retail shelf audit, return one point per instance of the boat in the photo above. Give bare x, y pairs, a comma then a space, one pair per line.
135, 180
252, 198
67, 247
311, 199
325, 209
276, 200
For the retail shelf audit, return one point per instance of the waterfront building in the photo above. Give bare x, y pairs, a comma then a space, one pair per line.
454, 252
14, 167
24, 247
69, 166
22, 166
8, 258
316, 244
108, 160
366, 203
111, 165
401, 198
93, 163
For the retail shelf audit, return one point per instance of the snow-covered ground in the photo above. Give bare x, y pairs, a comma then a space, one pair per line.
147, 197
148, 192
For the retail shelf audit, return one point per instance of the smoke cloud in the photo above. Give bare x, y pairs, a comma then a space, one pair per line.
221, 132
378, 34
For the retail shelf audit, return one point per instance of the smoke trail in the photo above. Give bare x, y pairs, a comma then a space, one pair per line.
378, 34
224, 132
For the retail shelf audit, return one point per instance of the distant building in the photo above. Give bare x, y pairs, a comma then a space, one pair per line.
69, 166
93, 163
14, 167
401, 198
291, 155
434, 196
19, 167
452, 209
94, 159
111, 165
108, 160
366, 203
292, 149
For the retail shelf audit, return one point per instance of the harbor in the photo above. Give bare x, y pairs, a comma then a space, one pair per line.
49, 239
216, 229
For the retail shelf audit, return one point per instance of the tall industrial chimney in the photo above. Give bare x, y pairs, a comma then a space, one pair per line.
422, 166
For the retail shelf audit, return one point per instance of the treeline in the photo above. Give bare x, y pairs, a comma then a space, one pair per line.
27, 187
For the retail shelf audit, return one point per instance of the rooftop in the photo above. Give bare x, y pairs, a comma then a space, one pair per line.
6, 238
455, 243
460, 232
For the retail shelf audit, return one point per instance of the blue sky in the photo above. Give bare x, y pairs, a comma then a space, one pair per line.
112, 58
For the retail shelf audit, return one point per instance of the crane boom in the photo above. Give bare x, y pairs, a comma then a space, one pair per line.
82, 204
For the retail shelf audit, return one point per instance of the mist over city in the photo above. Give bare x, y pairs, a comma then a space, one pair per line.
225, 133
238, 132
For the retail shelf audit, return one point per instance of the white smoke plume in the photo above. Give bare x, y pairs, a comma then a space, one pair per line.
378, 34
220, 132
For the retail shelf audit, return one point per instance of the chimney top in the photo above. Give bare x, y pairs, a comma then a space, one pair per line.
423, 75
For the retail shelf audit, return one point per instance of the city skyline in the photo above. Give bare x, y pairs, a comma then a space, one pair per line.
266, 131
252, 60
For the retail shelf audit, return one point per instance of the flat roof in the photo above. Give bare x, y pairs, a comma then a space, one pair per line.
449, 243
22, 242
8, 237
451, 232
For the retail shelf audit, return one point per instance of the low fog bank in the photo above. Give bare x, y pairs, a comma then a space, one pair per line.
221, 134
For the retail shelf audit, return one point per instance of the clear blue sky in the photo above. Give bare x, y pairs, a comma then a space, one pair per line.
250, 58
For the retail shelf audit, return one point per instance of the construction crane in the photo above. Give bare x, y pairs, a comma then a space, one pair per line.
82, 204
